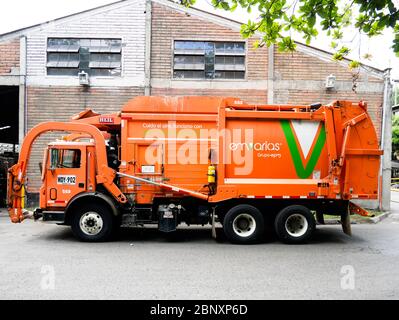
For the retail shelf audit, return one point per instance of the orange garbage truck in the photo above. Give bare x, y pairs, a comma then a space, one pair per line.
203, 160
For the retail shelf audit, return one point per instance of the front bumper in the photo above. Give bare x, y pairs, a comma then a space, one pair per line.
49, 216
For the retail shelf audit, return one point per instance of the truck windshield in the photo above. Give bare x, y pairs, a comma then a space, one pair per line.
65, 158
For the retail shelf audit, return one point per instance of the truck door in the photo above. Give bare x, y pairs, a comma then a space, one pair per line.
148, 164
148, 159
66, 174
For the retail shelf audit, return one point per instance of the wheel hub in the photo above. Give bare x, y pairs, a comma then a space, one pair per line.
244, 225
91, 223
296, 225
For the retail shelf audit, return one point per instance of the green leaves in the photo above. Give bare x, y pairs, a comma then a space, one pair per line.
337, 34
367, 56
341, 53
279, 18
395, 132
354, 64
248, 29
286, 44
395, 45
306, 17
186, 3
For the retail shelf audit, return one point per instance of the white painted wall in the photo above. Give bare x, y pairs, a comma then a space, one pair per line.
124, 20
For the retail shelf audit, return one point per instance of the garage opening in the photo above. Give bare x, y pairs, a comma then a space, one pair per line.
9, 120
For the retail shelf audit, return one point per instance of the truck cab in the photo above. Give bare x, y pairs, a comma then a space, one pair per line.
68, 169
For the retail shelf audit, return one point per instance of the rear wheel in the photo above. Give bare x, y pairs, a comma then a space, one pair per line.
243, 224
93, 223
294, 224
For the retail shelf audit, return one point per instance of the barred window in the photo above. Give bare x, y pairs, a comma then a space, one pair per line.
208, 60
97, 57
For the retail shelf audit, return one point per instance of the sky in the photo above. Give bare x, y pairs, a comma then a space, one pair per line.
18, 14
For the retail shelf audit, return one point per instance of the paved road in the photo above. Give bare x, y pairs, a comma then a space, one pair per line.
142, 264
395, 196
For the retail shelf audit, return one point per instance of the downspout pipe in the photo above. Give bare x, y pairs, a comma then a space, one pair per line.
147, 54
386, 144
270, 74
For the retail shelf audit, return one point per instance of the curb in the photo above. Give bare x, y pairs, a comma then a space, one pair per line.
3, 214
373, 220
330, 222
380, 217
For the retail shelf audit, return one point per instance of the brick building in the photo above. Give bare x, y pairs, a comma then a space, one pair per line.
143, 47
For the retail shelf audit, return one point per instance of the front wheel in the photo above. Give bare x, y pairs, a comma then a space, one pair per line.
93, 223
294, 224
243, 224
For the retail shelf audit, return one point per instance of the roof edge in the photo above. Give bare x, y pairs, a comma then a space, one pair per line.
21, 31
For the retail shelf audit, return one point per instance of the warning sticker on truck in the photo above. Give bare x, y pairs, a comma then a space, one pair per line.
66, 179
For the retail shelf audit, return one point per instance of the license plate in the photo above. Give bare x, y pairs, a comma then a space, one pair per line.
66, 179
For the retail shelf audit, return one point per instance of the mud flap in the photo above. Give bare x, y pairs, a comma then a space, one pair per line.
346, 222
213, 224
320, 217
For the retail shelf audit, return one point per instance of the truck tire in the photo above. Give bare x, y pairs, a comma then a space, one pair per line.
243, 224
294, 224
93, 223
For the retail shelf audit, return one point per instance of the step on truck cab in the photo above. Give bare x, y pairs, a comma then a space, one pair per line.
202, 160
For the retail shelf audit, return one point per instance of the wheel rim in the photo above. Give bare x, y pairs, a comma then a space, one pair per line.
91, 223
244, 225
296, 225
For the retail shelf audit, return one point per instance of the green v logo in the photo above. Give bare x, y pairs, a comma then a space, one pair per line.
303, 171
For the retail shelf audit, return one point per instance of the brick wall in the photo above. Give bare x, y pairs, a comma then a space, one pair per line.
169, 25
59, 104
9, 56
374, 101
249, 96
298, 65
293, 68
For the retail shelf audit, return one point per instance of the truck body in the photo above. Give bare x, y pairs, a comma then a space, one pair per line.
202, 160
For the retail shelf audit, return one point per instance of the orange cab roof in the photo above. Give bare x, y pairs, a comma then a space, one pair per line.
70, 143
